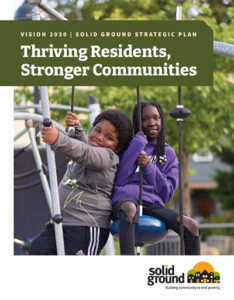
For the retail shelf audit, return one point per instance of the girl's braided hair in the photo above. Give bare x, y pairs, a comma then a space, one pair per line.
159, 150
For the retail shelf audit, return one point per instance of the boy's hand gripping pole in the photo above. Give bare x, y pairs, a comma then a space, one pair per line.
71, 130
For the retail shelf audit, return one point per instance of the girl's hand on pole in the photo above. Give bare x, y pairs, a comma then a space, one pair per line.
143, 159
49, 134
71, 119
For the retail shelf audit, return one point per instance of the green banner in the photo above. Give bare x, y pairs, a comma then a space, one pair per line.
107, 53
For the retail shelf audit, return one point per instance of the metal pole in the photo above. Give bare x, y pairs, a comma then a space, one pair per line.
224, 49
71, 129
179, 10
109, 248
59, 107
18, 135
138, 249
36, 101
35, 13
180, 149
39, 165
53, 179
94, 108
35, 118
56, 215
45, 7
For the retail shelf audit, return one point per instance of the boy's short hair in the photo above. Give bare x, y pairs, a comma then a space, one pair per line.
121, 122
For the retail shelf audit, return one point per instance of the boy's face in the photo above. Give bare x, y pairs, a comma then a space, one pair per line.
104, 134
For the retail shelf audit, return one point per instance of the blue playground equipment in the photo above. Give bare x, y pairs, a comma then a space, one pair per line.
148, 231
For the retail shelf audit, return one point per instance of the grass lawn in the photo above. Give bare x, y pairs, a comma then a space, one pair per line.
117, 249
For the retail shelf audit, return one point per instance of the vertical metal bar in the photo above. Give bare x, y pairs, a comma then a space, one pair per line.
35, 13
53, 176
180, 157
39, 165
180, 151
181, 198
140, 167
109, 248
94, 108
71, 129
36, 101
51, 161
179, 95
72, 99
178, 12
138, 249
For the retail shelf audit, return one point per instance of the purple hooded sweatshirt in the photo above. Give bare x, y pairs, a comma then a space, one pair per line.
159, 182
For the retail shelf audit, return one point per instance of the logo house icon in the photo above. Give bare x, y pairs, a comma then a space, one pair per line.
203, 272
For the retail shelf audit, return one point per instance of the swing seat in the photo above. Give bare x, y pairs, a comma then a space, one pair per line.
148, 231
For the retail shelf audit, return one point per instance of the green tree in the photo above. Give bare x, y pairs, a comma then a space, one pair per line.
224, 193
68, 8
220, 10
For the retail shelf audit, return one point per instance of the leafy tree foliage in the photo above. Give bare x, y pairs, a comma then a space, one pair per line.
225, 191
224, 194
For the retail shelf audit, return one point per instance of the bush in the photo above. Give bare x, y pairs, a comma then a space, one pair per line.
226, 218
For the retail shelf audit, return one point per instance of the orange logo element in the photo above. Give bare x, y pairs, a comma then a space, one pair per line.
203, 272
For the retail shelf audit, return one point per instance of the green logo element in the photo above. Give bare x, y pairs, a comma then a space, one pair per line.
203, 272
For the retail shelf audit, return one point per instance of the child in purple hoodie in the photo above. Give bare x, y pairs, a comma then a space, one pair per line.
160, 179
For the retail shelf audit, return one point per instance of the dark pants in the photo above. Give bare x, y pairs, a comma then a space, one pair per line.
78, 240
166, 215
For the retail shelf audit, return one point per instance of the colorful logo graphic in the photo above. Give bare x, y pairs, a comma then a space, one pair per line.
203, 272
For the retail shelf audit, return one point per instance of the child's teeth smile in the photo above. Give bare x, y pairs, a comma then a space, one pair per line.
95, 144
152, 131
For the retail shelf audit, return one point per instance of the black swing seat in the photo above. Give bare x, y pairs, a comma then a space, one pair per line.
148, 231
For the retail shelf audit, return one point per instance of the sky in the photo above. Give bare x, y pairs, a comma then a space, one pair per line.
17, 2
8, 10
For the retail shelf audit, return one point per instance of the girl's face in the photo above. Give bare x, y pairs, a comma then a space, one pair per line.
151, 122
104, 134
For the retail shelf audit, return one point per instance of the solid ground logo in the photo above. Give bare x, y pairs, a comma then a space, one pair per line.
164, 275
201, 276
203, 272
